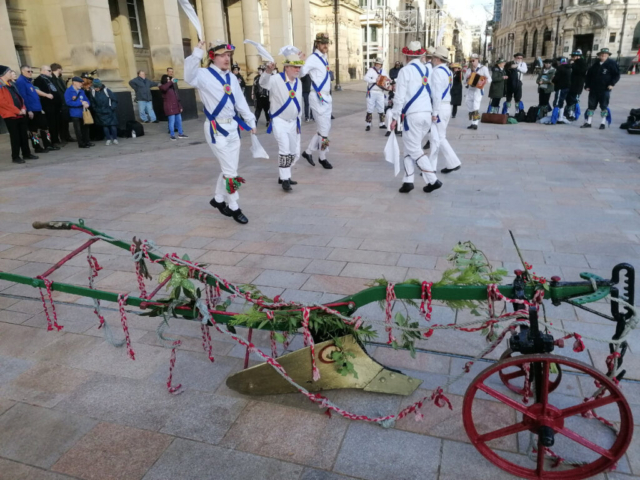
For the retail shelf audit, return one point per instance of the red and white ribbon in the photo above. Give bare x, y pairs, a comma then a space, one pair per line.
308, 340
391, 297
122, 300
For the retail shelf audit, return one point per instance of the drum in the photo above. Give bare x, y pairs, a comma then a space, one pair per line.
384, 82
476, 80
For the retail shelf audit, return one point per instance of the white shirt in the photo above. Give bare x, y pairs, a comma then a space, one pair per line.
441, 80
409, 81
279, 94
480, 70
522, 69
317, 71
211, 91
372, 77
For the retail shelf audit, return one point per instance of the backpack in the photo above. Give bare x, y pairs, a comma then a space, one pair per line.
521, 116
532, 115
134, 126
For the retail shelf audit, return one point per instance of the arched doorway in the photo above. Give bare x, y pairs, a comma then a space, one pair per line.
525, 44
534, 48
636, 37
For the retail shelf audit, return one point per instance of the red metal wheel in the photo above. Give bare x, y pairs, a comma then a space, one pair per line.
509, 378
545, 415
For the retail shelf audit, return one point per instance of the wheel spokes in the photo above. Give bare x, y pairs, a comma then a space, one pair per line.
586, 406
586, 443
540, 459
503, 432
512, 375
504, 399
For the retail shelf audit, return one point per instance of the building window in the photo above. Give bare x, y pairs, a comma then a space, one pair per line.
636, 37
525, 44
534, 48
612, 37
134, 20
364, 34
374, 34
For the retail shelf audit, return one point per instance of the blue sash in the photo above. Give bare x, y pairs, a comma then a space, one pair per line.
213, 125
450, 80
292, 96
425, 77
326, 77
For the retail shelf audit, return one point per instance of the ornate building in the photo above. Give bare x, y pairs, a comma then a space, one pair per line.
553, 28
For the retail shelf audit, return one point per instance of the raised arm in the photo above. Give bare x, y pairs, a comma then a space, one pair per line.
265, 80
192, 65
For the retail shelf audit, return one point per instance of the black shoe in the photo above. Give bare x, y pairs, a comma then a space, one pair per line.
18, 160
472, 127
382, 126
406, 187
427, 145
332, 117
388, 134
291, 181
156, 121
222, 206
399, 134
54, 147
368, 128
326, 164
183, 136
449, 170
91, 144
308, 158
41, 150
453, 116
586, 125
237, 215
84, 146
432, 186
70, 140
286, 185
602, 126
31, 157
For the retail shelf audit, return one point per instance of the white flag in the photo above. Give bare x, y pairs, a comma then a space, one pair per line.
264, 53
392, 153
192, 15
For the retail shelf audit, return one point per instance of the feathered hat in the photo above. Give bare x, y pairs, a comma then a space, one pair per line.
220, 49
291, 56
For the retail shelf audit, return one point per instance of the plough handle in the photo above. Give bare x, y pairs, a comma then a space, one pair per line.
52, 225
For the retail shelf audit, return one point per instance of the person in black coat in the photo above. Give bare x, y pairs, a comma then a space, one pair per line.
456, 88
260, 97
578, 74
561, 84
50, 106
602, 76
306, 90
393, 73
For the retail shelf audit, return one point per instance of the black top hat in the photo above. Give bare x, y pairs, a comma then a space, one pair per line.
518, 55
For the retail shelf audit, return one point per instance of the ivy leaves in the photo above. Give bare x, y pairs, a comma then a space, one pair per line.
179, 281
341, 357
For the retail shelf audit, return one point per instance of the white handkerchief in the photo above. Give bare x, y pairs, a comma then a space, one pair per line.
256, 149
392, 153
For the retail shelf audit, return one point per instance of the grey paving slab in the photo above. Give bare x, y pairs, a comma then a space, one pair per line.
11, 368
20, 471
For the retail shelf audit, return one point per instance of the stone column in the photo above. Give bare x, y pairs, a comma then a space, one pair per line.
301, 13
87, 26
165, 35
279, 25
8, 55
251, 28
212, 17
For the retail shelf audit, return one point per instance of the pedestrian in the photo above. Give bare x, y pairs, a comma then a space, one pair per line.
38, 126
456, 89
63, 113
441, 85
104, 104
14, 113
142, 88
578, 75
306, 90
286, 94
170, 74
224, 102
545, 87
412, 107
602, 76
77, 101
260, 97
51, 104
172, 106
498, 88
561, 85
375, 94
474, 94
317, 66
516, 70
393, 73
389, 106
236, 71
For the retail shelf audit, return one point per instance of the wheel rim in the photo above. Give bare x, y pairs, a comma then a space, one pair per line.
509, 378
545, 414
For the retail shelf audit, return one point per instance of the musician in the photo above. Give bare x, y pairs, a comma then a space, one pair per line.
412, 107
441, 86
375, 93
317, 66
514, 85
224, 102
474, 95
286, 99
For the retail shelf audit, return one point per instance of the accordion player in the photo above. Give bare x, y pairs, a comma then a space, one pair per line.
476, 80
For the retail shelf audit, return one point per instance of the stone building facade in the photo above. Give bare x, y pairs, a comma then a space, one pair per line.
554, 28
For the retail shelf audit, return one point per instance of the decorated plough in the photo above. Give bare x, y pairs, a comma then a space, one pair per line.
562, 436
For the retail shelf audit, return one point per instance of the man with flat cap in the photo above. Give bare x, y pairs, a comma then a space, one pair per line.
602, 76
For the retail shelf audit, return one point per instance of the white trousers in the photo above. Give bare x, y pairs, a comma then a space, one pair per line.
419, 124
439, 142
322, 117
288, 138
227, 152
375, 103
473, 101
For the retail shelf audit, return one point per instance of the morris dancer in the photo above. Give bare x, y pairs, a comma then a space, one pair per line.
441, 84
514, 84
474, 95
412, 106
224, 102
375, 94
602, 76
286, 97
317, 66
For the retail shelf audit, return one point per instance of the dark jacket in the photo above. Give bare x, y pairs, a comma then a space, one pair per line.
456, 89
578, 75
547, 80
306, 84
74, 100
28, 93
498, 84
393, 73
142, 88
46, 85
170, 98
241, 81
104, 105
513, 82
562, 79
601, 76
259, 92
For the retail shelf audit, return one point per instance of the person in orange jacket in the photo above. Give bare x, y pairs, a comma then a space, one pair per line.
13, 112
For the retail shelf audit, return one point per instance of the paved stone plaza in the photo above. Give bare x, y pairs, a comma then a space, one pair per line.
72, 406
